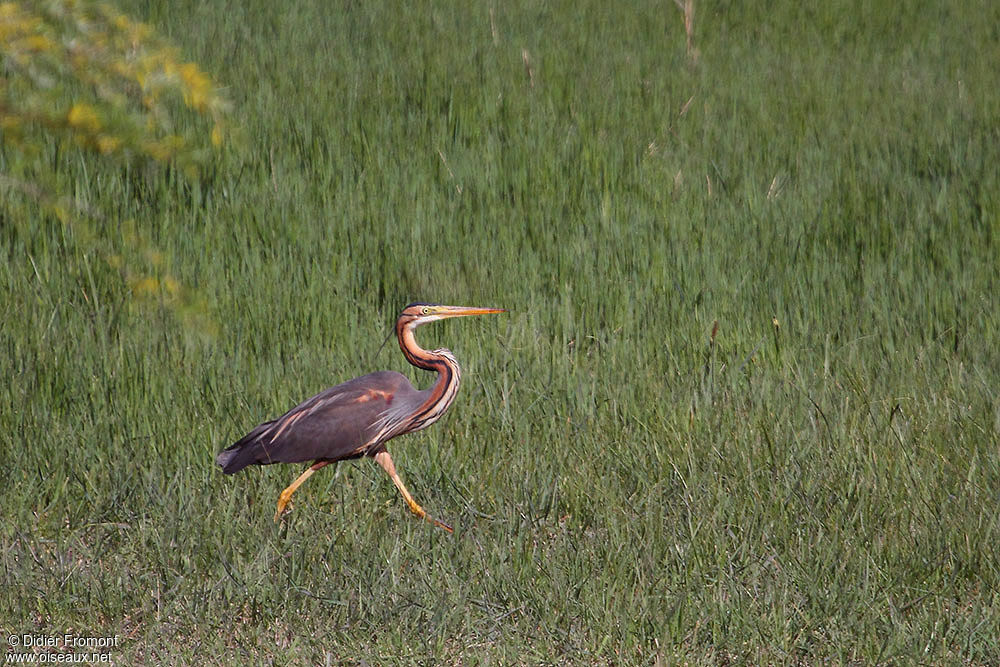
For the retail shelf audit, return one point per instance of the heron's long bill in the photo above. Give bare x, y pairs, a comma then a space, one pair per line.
459, 311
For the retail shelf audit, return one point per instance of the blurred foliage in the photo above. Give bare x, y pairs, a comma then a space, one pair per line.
85, 71
80, 73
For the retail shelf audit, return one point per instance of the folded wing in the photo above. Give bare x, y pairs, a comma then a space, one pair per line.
342, 422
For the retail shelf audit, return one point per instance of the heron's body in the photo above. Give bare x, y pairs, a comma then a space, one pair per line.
343, 422
357, 417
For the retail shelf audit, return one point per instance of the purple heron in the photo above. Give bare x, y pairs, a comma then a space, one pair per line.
358, 417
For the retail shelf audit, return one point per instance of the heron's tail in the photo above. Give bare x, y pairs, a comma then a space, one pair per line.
231, 461
245, 452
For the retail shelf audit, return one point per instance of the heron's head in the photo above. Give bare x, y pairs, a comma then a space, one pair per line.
416, 314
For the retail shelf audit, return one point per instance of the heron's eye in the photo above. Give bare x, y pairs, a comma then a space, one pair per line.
426, 310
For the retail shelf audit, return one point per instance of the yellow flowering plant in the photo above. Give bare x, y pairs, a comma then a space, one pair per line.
80, 73
84, 70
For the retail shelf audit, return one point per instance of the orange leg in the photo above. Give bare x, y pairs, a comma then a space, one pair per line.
286, 495
385, 461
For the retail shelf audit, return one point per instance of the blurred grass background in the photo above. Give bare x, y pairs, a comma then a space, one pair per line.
816, 479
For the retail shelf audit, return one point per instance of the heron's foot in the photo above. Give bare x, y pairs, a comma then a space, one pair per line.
384, 460
283, 501
440, 524
422, 513
286, 495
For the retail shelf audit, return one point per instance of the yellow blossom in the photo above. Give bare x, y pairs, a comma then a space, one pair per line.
147, 286
171, 285
159, 150
39, 43
108, 144
83, 117
198, 87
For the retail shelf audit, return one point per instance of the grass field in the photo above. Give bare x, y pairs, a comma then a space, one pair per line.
817, 480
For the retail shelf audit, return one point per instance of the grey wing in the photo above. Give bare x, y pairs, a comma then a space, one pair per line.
339, 423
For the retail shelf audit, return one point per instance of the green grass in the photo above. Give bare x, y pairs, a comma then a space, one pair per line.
624, 488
